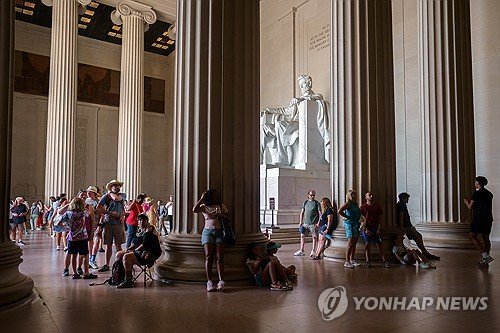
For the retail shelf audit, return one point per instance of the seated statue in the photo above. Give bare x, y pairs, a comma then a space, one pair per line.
279, 128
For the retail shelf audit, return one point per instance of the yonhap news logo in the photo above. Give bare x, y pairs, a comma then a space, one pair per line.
333, 303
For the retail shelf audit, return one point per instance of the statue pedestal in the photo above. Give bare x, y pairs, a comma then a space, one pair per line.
289, 187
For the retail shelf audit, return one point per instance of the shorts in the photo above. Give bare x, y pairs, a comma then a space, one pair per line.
78, 247
373, 238
412, 233
258, 279
352, 229
113, 232
481, 227
14, 226
141, 260
212, 236
308, 230
322, 229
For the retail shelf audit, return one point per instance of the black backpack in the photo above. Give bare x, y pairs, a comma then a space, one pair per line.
117, 273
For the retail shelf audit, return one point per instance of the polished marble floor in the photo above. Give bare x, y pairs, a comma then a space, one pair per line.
66, 305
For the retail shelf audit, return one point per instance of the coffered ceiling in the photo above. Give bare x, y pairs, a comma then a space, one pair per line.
96, 22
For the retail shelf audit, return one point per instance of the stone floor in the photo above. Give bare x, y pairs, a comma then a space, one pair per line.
66, 305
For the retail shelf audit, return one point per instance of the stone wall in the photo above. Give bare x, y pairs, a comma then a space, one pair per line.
96, 125
282, 59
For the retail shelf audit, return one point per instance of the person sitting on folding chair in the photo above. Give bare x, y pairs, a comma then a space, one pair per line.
144, 251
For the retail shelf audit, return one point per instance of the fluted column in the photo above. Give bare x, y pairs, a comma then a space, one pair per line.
216, 130
15, 288
447, 118
135, 17
60, 152
363, 157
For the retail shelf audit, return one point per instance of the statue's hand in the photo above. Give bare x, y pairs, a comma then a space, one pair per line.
264, 112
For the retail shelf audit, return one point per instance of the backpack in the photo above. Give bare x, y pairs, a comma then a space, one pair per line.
117, 274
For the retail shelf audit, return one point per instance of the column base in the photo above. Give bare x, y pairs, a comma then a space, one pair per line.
184, 258
15, 288
446, 235
338, 246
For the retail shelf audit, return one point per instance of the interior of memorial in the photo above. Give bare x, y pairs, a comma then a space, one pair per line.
268, 102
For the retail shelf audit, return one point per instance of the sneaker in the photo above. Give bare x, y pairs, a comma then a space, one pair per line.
221, 285
316, 258
58, 248
90, 276
355, 263
299, 253
76, 276
277, 287
65, 272
79, 270
368, 264
32, 229
65, 249
104, 268
288, 285
386, 264
210, 286
127, 283
22, 242
101, 250
312, 254
348, 264
423, 265
93, 265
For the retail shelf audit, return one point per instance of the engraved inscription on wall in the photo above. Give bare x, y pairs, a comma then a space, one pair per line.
82, 126
321, 40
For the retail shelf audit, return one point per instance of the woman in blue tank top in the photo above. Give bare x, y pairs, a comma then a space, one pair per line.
351, 214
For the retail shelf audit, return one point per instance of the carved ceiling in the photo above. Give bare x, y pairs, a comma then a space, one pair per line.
96, 23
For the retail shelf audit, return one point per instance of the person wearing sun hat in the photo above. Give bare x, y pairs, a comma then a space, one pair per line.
150, 210
284, 273
112, 208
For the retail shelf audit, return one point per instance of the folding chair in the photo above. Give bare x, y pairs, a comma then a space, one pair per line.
145, 272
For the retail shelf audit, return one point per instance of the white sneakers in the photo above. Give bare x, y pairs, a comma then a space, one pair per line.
348, 264
211, 287
299, 253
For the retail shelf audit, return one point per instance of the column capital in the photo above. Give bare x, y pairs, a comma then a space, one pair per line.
129, 7
49, 3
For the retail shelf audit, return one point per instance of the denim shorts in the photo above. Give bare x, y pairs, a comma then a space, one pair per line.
351, 229
211, 236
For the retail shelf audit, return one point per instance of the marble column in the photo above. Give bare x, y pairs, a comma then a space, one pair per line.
447, 117
15, 288
135, 17
363, 155
216, 130
60, 153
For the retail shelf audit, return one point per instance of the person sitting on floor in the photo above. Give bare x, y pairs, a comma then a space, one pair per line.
145, 250
408, 256
266, 273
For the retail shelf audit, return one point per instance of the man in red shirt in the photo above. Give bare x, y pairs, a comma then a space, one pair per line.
133, 210
370, 229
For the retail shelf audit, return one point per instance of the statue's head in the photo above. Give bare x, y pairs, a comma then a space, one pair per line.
305, 84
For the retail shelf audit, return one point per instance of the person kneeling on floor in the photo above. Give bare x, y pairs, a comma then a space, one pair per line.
145, 250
